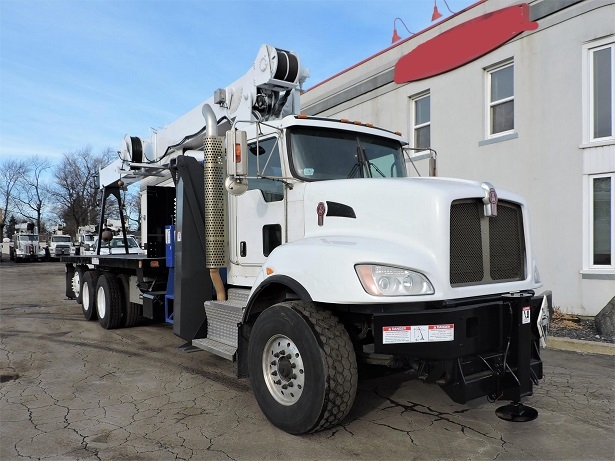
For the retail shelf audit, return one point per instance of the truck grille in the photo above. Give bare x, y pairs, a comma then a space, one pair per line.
486, 250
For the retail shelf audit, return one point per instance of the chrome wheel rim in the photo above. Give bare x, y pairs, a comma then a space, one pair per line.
101, 305
283, 370
76, 284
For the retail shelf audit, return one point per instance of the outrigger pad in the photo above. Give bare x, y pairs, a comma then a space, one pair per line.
516, 412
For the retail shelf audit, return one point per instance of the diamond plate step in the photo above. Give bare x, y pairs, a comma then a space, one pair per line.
238, 294
222, 320
215, 347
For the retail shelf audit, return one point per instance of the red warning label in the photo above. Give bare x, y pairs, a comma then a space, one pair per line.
418, 333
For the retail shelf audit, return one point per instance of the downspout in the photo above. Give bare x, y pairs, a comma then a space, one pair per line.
215, 202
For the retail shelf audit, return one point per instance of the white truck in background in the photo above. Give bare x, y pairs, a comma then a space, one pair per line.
299, 247
59, 243
26, 245
84, 239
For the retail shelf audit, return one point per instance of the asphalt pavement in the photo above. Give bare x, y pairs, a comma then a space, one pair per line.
72, 390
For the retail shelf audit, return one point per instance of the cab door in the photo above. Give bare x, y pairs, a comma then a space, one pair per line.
259, 212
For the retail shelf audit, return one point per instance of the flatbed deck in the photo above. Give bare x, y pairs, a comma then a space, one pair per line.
127, 261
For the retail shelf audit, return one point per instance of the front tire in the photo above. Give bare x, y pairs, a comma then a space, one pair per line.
303, 368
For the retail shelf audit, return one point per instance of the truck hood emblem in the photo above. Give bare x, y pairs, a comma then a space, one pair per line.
490, 200
320, 209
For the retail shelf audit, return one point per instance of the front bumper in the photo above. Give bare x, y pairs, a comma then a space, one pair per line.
472, 348
61, 251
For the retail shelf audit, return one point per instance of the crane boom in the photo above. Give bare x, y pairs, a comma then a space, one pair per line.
269, 90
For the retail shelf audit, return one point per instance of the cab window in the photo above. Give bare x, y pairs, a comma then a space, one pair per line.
265, 161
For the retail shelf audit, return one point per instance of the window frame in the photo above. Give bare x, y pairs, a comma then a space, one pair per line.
590, 235
255, 182
489, 103
413, 124
588, 89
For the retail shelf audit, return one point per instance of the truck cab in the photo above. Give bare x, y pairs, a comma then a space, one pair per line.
60, 245
26, 247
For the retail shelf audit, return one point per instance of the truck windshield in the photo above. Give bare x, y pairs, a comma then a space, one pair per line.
61, 238
319, 154
28, 238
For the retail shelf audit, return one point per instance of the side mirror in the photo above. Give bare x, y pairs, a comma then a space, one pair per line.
236, 153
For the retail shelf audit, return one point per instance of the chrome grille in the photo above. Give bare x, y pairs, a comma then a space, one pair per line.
486, 250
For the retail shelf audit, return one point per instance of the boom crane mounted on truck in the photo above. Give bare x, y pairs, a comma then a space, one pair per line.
332, 256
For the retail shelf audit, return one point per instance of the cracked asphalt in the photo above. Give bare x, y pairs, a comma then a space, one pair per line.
70, 390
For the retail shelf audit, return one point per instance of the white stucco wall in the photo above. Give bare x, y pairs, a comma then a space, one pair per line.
544, 162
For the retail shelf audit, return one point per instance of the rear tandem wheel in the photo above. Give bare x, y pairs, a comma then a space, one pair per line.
88, 294
108, 301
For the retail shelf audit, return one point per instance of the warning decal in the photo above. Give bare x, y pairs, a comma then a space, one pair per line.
418, 333
525, 317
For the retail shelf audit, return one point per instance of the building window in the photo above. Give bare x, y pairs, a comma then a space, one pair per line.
599, 73
501, 103
421, 116
602, 220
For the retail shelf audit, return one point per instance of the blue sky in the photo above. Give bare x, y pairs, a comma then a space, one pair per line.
75, 73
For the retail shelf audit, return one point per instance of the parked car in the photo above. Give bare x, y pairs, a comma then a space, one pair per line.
115, 246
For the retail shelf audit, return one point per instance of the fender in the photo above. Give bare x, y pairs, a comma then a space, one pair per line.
324, 266
272, 289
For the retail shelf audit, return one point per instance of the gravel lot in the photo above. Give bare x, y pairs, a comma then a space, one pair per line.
71, 390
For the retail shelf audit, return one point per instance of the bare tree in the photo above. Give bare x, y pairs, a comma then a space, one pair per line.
75, 193
11, 171
32, 191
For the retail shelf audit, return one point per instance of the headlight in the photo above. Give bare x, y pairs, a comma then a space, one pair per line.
392, 281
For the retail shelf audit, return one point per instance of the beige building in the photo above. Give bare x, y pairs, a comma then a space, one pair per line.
522, 96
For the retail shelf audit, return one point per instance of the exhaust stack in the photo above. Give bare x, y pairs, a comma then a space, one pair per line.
215, 202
